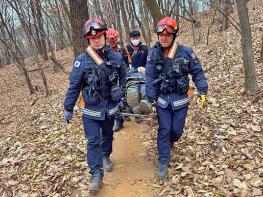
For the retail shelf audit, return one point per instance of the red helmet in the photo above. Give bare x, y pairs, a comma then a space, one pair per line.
166, 25
93, 28
112, 35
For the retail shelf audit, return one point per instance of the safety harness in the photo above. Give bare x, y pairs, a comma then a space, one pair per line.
190, 97
100, 63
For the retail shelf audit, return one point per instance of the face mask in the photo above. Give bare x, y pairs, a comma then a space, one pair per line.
135, 42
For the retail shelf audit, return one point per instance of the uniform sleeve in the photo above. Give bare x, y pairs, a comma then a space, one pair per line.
76, 77
197, 72
150, 75
122, 72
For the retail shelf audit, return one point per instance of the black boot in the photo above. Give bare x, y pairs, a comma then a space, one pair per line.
107, 164
95, 184
117, 126
162, 170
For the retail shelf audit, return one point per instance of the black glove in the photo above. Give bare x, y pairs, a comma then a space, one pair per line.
116, 93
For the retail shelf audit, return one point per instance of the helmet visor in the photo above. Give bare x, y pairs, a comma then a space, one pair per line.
92, 25
162, 28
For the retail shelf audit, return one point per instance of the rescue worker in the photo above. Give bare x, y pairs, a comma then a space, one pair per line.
167, 83
112, 36
138, 53
100, 75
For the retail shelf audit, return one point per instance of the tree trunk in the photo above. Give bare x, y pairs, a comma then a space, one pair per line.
184, 12
19, 58
118, 19
78, 16
42, 74
131, 14
227, 7
125, 21
60, 27
145, 23
191, 9
155, 10
135, 14
6, 60
177, 13
43, 47
260, 60
246, 42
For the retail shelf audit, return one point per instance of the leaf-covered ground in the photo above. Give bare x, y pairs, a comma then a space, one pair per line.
220, 153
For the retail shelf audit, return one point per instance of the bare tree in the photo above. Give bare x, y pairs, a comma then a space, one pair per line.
155, 10
129, 9
191, 7
19, 58
177, 12
40, 28
125, 21
118, 19
260, 60
246, 42
145, 23
226, 8
78, 16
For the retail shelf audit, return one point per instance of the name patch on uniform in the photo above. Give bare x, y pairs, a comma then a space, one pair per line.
77, 64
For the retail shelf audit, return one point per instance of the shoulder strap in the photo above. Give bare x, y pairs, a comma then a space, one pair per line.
94, 55
172, 50
128, 54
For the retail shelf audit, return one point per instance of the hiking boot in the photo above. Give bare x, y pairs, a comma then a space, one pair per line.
117, 126
95, 184
145, 107
138, 120
107, 164
162, 170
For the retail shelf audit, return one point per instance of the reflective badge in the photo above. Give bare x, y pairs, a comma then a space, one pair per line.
77, 64
93, 32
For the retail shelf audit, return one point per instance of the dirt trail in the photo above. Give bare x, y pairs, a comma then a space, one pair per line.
132, 173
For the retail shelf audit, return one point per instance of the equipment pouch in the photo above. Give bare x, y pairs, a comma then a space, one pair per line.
91, 91
182, 85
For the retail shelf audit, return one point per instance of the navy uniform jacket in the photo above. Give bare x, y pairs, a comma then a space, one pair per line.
191, 65
138, 58
78, 81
